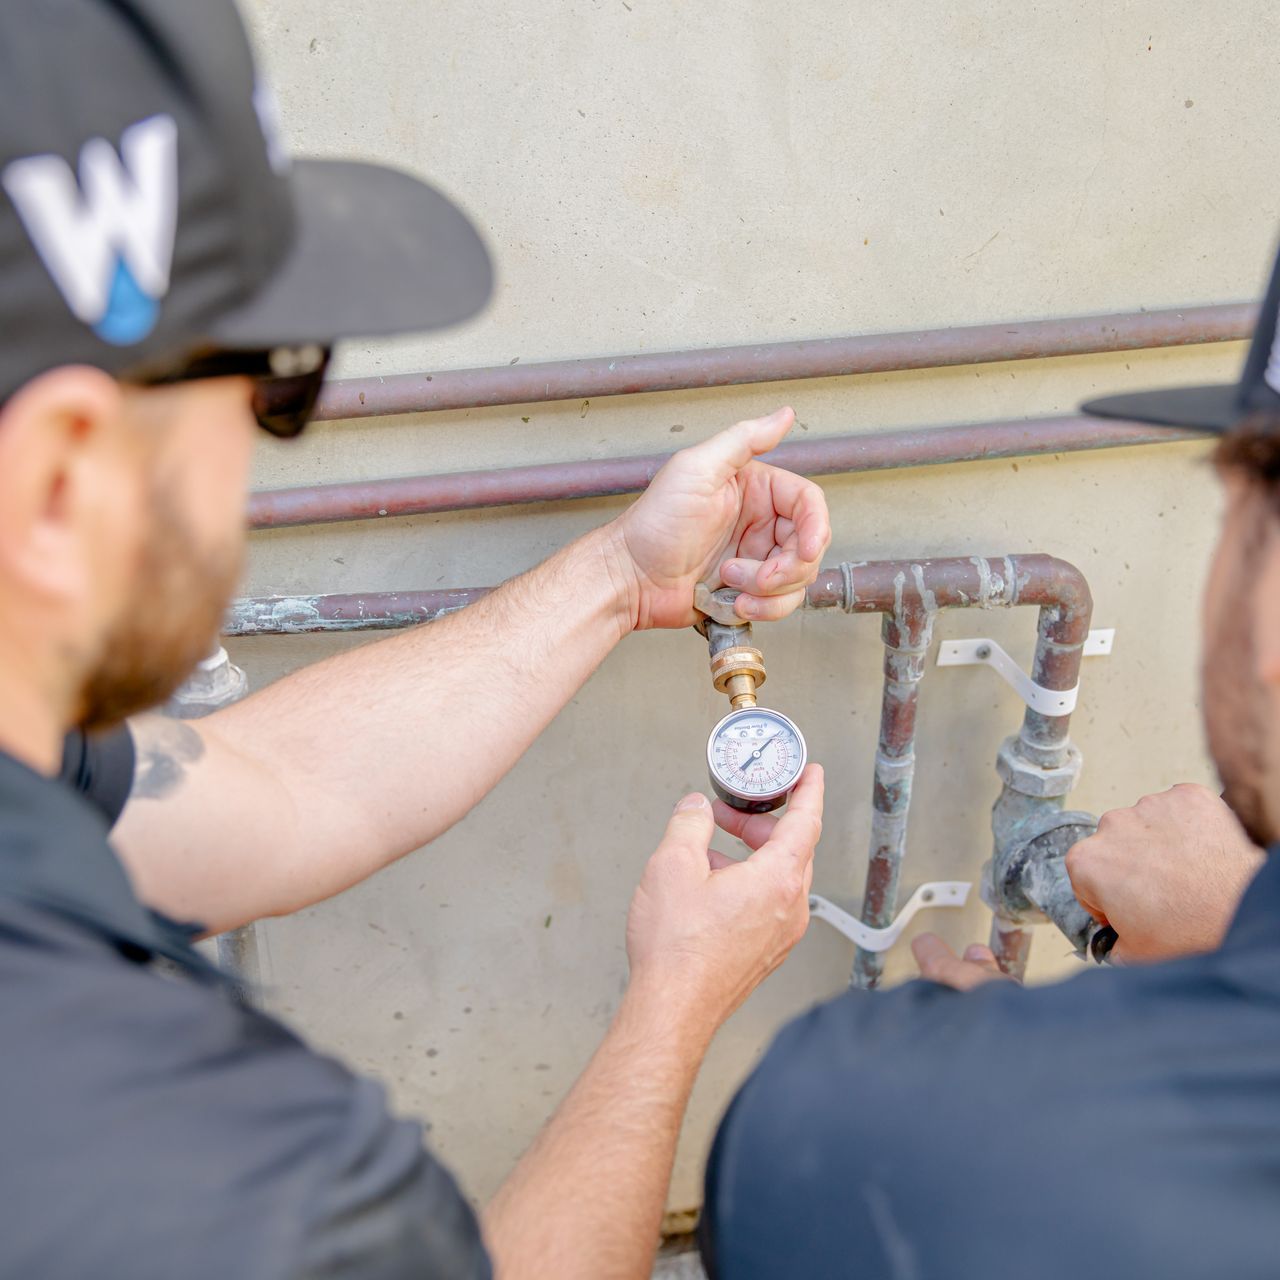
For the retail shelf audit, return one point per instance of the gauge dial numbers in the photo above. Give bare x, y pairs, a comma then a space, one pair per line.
755, 757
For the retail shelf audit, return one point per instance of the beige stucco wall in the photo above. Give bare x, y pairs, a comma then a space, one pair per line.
656, 174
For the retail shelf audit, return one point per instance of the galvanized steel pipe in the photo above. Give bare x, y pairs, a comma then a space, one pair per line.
558, 481
782, 361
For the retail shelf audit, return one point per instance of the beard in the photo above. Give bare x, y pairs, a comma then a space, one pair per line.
1237, 704
181, 593
1237, 742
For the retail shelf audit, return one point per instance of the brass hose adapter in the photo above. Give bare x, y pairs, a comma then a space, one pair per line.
737, 666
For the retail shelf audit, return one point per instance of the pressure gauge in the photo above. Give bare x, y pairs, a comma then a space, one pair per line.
756, 757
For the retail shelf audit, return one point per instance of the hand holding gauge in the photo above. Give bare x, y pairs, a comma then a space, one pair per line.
755, 755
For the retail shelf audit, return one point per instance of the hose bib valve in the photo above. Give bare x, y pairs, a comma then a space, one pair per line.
1028, 880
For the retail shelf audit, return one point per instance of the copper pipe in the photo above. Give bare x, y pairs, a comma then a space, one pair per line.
782, 361
910, 594
558, 481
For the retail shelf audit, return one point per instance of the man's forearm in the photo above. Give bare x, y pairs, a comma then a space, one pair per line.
586, 1200
702, 932
341, 767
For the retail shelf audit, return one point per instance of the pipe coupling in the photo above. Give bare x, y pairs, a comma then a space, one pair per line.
216, 682
1028, 778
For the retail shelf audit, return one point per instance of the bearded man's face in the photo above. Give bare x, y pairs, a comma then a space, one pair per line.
190, 550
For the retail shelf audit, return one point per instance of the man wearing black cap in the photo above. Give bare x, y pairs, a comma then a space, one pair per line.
166, 277
1126, 1122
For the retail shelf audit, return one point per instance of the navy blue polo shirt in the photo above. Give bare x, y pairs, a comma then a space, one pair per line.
1124, 1123
151, 1125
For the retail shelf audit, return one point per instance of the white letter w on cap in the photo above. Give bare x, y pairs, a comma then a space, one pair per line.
107, 240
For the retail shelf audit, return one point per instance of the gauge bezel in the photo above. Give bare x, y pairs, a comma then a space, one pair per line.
754, 801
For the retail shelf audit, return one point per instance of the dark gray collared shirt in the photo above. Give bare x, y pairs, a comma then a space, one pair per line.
1123, 1123
153, 1126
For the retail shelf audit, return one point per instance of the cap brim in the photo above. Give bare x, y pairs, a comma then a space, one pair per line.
1214, 408
377, 252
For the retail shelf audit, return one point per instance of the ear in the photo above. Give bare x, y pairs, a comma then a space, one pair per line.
66, 463
1266, 609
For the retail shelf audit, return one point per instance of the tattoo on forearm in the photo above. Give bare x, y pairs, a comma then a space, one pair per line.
166, 749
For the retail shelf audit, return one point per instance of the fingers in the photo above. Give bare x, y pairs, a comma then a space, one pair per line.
804, 505
753, 829
1079, 864
689, 830
800, 827
785, 530
724, 455
719, 861
769, 609
780, 569
938, 963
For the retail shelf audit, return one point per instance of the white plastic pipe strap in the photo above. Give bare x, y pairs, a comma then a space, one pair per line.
1048, 702
938, 893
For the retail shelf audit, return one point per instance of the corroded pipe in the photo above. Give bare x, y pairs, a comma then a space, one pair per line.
586, 379
608, 477
907, 632
359, 611
910, 594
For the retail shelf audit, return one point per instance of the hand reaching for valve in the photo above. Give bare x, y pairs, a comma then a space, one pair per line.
715, 514
1167, 874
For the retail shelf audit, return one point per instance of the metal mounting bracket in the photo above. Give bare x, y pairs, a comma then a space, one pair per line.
939, 893
1048, 702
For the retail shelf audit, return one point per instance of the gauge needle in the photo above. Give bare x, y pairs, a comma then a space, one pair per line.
757, 753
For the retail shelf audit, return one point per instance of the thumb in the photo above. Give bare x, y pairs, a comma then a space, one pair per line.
689, 831
725, 454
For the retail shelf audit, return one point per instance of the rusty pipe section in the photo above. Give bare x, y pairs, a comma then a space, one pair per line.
609, 477
907, 633
1034, 765
590, 378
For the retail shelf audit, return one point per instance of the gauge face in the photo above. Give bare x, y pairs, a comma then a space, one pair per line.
755, 756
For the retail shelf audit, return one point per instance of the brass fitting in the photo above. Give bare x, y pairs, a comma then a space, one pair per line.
738, 672
737, 666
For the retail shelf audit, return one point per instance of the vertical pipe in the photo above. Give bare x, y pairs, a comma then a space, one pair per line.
1010, 943
1043, 743
238, 956
907, 633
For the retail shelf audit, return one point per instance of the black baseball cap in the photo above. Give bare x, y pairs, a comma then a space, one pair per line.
1219, 407
148, 208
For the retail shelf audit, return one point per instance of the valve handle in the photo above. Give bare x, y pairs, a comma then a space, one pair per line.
1102, 943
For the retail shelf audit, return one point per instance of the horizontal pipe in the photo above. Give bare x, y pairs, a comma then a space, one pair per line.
557, 481
871, 587
782, 361
371, 611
